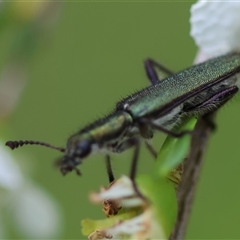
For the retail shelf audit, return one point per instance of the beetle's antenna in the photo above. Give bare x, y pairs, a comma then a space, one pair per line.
16, 144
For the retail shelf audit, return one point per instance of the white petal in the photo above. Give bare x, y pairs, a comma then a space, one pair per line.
121, 188
132, 202
36, 215
143, 226
215, 26
10, 174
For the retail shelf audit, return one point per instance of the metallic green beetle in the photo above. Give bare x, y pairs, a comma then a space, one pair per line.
195, 91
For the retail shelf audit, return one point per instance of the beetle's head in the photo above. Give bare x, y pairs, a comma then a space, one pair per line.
78, 148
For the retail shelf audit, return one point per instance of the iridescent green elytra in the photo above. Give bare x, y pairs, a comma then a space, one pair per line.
197, 90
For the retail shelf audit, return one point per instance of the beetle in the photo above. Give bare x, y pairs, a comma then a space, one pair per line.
195, 91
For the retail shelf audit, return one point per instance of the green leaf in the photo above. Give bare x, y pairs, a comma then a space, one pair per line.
162, 200
174, 150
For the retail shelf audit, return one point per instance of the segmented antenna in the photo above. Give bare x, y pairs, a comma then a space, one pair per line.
16, 144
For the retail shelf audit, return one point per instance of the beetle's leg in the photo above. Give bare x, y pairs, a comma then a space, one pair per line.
109, 169
150, 68
133, 170
209, 121
151, 149
133, 142
162, 129
213, 103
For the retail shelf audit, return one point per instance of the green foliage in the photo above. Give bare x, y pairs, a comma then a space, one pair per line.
174, 150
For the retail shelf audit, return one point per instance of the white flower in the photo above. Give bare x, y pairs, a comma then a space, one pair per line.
138, 216
10, 175
143, 226
121, 191
215, 27
34, 213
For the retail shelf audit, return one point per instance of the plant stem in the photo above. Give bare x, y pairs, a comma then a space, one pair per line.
191, 171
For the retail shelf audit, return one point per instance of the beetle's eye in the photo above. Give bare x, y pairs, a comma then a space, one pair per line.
83, 148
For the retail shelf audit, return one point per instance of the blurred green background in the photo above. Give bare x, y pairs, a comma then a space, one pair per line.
92, 58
